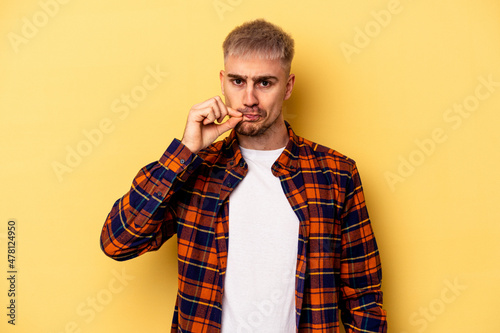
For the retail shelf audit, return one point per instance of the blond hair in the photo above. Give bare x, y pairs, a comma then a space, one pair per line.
260, 38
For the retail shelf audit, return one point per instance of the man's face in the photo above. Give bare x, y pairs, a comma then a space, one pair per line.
257, 88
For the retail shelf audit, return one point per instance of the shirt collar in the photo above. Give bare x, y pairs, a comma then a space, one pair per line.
288, 160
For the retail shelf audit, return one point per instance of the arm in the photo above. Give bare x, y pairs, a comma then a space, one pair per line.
361, 274
143, 219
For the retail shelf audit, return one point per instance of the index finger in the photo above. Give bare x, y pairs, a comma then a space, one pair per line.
234, 113
222, 108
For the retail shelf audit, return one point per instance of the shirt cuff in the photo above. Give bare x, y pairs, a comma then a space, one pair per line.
177, 158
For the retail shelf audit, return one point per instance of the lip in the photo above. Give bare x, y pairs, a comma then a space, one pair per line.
251, 117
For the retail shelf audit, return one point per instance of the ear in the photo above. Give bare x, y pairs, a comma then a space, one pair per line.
289, 86
221, 76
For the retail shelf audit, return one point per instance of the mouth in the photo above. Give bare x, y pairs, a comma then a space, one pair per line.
252, 114
251, 117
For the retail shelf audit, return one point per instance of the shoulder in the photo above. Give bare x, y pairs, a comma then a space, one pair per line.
325, 157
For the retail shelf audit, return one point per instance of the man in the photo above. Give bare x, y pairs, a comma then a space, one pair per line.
273, 233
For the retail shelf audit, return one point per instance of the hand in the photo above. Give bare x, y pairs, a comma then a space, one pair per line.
201, 129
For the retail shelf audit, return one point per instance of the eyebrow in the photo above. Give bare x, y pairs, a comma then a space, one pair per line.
254, 78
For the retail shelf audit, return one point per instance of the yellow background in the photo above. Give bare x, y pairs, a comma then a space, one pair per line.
380, 81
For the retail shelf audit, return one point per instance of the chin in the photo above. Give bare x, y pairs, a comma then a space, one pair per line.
250, 129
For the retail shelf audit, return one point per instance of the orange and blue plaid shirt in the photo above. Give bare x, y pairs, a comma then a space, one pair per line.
338, 272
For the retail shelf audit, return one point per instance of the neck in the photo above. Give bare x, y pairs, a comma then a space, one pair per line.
274, 137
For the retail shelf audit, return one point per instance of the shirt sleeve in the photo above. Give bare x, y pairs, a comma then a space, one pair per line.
360, 273
144, 218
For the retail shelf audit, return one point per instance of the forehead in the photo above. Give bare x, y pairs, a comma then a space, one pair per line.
252, 66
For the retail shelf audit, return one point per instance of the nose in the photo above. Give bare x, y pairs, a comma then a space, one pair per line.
250, 98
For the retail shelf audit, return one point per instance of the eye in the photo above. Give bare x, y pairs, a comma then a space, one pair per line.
237, 82
265, 83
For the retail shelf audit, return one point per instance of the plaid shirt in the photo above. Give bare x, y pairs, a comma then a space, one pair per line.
338, 265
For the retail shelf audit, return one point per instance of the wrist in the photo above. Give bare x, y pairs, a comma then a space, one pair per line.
190, 146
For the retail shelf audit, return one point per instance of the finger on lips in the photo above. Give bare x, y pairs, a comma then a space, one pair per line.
234, 113
213, 110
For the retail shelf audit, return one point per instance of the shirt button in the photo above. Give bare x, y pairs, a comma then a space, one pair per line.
228, 184
158, 194
182, 161
242, 164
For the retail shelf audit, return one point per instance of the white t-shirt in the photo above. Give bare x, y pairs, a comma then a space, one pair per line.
259, 289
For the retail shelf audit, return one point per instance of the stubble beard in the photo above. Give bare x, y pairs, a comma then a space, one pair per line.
248, 128
255, 129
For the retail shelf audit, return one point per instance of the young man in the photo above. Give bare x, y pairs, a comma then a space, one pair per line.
273, 233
